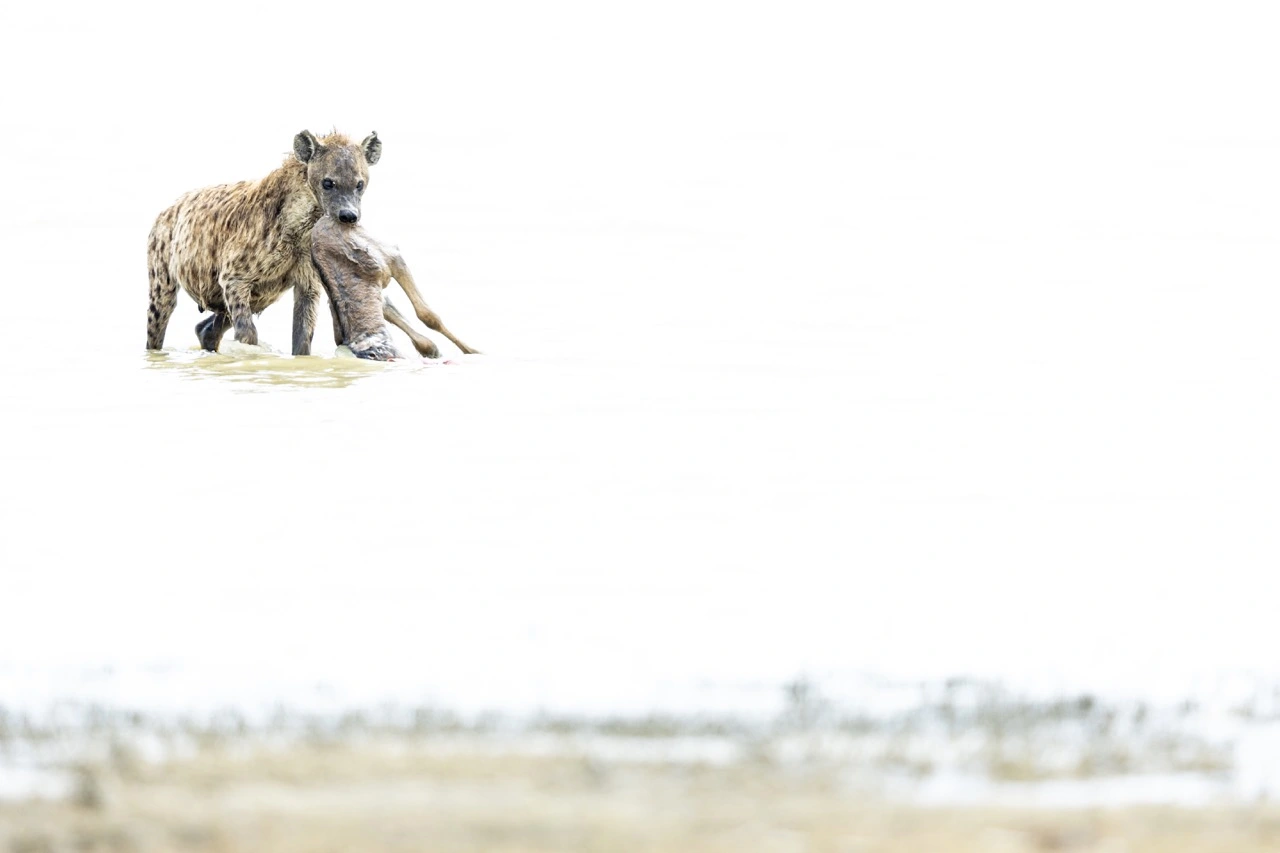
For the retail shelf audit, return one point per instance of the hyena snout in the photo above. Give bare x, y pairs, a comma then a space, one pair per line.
348, 216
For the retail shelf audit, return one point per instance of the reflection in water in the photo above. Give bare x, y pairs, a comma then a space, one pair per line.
257, 366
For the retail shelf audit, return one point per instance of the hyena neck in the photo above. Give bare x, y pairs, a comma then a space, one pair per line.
298, 209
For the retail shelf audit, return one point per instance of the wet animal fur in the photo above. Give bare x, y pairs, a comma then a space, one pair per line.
355, 269
235, 248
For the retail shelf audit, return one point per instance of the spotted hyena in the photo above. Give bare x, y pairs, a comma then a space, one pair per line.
355, 268
235, 248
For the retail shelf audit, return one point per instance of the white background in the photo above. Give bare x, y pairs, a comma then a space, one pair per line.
911, 338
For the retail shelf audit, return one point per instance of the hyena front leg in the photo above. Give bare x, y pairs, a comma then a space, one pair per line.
237, 295
306, 302
211, 329
400, 272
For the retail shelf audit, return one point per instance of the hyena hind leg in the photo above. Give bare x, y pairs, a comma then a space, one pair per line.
164, 296
211, 329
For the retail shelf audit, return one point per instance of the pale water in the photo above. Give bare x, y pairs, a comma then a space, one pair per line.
818, 342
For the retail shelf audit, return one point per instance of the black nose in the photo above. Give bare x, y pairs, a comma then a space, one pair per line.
347, 216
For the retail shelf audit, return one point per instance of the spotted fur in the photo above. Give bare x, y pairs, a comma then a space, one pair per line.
235, 248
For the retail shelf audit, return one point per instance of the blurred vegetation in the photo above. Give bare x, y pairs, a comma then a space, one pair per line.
817, 774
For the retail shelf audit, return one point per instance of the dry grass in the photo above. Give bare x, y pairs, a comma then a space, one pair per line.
474, 794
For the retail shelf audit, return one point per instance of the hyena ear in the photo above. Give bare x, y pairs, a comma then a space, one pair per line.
305, 146
372, 146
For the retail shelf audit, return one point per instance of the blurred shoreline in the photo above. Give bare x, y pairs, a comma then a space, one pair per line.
974, 767
956, 743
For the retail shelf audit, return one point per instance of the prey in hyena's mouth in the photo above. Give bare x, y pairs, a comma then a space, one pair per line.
355, 269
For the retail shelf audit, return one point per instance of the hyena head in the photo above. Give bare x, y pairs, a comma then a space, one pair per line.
337, 171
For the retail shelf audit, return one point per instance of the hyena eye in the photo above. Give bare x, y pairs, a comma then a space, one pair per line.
359, 186
327, 184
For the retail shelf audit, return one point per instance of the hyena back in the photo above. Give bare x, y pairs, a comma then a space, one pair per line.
235, 248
